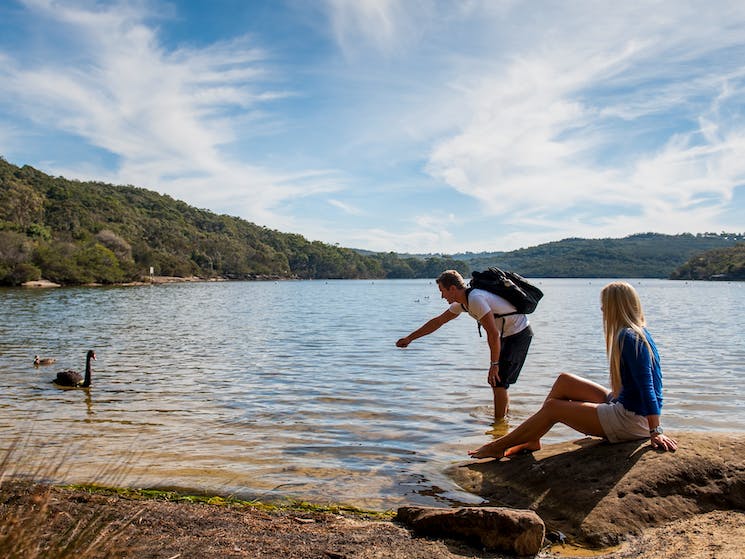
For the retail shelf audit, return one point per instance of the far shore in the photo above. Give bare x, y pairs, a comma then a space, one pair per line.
160, 280
157, 280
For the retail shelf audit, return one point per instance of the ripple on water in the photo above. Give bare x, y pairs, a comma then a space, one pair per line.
217, 387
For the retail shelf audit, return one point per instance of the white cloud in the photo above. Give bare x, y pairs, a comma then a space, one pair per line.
384, 240
543, 137
165, 115
547, 119
346, 208
384, 25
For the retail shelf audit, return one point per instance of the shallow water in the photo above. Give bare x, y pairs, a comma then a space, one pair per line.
295, 389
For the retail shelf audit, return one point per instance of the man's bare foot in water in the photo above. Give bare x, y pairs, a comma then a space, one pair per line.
525, 447
491, 450
499, 428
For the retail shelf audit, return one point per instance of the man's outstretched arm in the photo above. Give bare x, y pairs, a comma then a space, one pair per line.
426, 328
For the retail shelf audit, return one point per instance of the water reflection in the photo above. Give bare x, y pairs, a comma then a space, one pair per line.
295, 389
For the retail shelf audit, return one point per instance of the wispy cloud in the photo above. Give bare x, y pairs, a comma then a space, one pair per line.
411, 242
564, 120
383, 25
164, 114
346, 208
546, 131
536, 120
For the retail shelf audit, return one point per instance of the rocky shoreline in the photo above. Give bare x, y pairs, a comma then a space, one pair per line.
34, 517
158, 280
644, 504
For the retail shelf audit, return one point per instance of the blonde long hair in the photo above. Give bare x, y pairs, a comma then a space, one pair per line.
621, 309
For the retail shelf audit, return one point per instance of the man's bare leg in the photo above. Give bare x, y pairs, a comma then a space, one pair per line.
501, 402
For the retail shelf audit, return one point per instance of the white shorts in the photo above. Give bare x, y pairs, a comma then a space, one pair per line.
620, 424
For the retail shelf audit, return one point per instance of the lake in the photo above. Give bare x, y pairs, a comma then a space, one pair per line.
295, 389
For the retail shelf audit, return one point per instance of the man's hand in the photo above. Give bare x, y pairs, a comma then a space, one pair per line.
493, 377
403, 342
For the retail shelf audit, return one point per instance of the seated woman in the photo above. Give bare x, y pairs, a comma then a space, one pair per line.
629, 411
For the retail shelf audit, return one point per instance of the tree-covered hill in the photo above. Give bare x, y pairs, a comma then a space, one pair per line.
74, 232
717, 264
645, 255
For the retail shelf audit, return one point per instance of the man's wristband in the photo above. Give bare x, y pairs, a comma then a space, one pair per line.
494, 363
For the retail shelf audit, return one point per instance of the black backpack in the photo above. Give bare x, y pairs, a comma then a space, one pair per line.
522, 294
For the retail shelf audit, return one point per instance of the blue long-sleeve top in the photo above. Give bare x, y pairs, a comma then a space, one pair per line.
641, 375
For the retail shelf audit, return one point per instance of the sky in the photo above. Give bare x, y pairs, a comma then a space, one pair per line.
417, 126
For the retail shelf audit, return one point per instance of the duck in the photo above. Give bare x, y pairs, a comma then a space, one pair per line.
74, 379
43, 360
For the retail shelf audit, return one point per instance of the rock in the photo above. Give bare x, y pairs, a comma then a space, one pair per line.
518, 532
40, 283
598, 493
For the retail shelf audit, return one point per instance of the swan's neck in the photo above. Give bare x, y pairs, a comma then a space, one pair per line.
87, 380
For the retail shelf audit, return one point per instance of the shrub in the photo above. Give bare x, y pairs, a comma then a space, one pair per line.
22, 273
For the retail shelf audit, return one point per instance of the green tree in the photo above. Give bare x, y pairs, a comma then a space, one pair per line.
20, 204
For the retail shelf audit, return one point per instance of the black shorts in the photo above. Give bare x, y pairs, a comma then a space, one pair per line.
512, 357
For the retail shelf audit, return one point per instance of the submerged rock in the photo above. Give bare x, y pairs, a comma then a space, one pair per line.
597, 493
517, 532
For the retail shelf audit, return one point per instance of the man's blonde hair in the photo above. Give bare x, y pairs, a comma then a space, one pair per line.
450, 278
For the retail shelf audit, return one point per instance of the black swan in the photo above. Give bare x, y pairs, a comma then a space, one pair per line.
74, 378
43, 361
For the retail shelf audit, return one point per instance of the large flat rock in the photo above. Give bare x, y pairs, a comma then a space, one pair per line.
520, 532
597, 493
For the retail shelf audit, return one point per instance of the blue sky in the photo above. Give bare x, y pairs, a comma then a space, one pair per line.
409, 125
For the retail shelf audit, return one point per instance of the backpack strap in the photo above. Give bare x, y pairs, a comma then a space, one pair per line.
478, 322
468, 292
465, 308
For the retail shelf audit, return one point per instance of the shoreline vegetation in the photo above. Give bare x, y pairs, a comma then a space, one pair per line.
162, 280
80, 233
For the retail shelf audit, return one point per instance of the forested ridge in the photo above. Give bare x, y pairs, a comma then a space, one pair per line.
74, 232
718, 264
644, 255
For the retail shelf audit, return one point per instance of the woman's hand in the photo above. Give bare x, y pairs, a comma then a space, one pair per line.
663, 442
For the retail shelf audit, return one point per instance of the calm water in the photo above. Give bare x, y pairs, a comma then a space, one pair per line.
296, 390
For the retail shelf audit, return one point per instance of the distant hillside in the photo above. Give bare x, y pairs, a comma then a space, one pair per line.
717, 264
74, 232
646, 255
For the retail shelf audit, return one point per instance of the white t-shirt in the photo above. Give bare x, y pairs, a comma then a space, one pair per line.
481, 302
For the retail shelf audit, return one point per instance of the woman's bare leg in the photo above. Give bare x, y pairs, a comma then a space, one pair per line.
572, 401
571, 387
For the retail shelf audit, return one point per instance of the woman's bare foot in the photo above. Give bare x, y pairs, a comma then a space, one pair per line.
491, 450
525, 447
